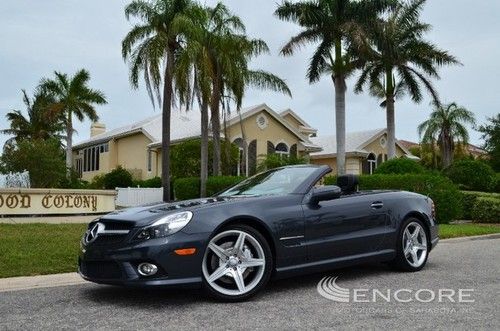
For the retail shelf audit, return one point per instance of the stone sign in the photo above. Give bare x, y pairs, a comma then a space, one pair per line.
55, 201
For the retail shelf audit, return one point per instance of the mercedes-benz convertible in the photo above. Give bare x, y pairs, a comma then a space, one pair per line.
280, 223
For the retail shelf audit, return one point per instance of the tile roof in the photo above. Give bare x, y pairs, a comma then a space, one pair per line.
184, 125
354, 142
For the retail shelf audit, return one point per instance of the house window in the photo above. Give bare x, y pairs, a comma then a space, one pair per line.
91, 157
282, 150
150, 160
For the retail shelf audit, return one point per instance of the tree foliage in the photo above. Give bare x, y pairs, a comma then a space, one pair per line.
447, 127
43, 159
491, 137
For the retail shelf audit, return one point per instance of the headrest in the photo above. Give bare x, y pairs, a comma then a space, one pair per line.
348, 183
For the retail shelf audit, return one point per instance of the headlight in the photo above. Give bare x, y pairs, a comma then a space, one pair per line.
165, 226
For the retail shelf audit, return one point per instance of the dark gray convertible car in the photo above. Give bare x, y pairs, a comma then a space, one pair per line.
279, 223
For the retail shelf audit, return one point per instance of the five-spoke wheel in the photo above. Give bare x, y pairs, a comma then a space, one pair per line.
237, 263
413, 246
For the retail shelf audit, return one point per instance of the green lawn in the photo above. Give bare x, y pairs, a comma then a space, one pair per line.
466, 230
37, 249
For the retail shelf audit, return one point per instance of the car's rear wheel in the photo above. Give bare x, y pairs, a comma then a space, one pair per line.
412, 246
237, 263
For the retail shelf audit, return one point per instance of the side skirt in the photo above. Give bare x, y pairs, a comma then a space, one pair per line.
324, 265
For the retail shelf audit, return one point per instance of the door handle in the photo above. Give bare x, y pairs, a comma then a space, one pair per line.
377, 204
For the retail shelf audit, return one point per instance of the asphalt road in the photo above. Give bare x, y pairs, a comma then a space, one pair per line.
289, 304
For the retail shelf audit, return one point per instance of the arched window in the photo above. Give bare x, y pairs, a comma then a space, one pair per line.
370, 164
282, 150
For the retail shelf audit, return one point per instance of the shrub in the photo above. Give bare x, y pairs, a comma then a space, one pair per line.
43, 159
118, 177
486, 210
473, 175
97, 182
189, 188
497, 183
272, 161
220, 183
440, 189
185, 158
400, 166
154, 182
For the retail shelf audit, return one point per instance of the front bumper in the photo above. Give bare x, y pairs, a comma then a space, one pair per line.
117, 264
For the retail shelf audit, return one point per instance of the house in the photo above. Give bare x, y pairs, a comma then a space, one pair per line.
470, 149
365, 150
137, 147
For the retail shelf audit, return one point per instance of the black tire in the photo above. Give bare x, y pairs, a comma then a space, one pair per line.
400, 262
268, 266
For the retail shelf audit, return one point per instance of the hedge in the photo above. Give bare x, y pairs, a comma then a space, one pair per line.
189, 188
400, 166
473, 202
472, 175
441, 190
486, 210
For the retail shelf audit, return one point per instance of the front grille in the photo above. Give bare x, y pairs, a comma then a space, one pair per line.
111, 232
101, 269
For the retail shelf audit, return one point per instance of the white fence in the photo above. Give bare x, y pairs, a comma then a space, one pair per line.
135, 196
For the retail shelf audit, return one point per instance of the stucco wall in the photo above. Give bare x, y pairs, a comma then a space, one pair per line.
376, 148
132, 154
274, 132
292, 121
353, 164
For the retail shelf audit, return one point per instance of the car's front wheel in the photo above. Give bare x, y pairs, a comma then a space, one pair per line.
237, 263
412, 246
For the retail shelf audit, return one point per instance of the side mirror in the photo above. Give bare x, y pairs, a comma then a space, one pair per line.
325, 193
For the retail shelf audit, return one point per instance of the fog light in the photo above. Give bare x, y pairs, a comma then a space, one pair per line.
147, 269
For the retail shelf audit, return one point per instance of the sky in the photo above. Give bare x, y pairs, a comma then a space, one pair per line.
39, 37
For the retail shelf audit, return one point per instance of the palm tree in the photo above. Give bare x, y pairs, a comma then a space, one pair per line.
151, 47
446, 125
214, 66
200, 69
334, 24
400, 61
72, 96
38, 125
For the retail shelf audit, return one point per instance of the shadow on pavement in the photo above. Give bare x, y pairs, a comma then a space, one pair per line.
161, 297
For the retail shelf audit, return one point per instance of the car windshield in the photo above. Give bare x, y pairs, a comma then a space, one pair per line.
276, 181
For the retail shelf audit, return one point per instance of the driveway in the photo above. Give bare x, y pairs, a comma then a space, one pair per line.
292, 303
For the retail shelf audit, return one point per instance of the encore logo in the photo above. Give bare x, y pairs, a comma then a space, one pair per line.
329, 289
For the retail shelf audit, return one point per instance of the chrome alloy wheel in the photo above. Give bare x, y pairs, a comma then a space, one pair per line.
234, 263
414, 244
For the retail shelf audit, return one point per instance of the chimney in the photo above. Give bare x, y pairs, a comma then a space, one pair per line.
97, 128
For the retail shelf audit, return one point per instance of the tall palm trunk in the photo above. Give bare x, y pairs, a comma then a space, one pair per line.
447, 150
340, 89
167, 111
204, 149
391, 129
390, 116
69, 144
215, 120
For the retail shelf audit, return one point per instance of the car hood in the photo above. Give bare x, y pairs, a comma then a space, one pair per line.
144, 215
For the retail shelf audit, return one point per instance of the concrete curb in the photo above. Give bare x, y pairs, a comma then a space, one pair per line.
44, 281
461, 239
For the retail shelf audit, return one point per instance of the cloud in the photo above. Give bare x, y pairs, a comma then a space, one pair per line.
39, 37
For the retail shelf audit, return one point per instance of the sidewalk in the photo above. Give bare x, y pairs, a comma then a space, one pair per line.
32, 282
49, 219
